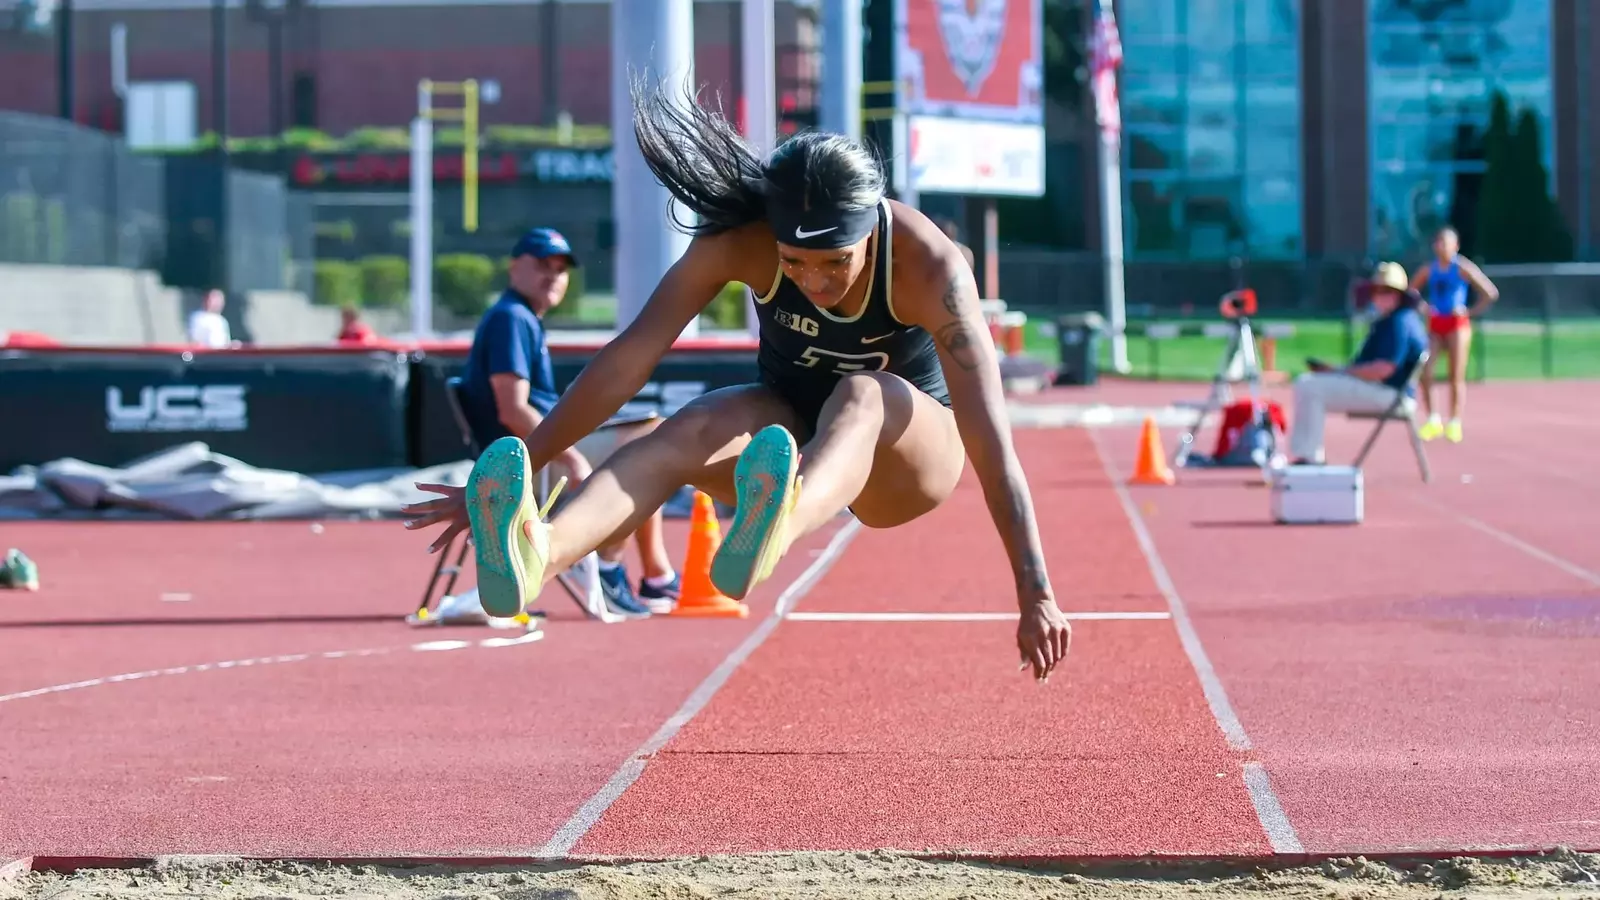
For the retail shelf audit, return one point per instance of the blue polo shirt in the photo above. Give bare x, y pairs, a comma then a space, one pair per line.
511, 339
1399, 338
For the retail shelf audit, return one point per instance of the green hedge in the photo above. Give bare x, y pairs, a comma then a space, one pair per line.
463, 283
385, 281
727, 309
338, 283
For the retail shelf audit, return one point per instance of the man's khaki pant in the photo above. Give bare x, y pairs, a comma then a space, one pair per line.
598, 445
1318, 393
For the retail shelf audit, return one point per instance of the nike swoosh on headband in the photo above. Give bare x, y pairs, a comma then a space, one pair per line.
802, 234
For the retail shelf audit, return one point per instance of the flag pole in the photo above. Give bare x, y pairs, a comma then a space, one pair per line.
1107, 59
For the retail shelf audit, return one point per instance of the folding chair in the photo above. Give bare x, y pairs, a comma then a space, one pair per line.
1399, 410
453, 569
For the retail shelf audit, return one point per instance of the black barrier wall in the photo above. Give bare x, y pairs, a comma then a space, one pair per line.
305, 412
680, 377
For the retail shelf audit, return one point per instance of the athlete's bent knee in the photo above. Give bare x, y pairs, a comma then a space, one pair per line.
692, 434
877, 394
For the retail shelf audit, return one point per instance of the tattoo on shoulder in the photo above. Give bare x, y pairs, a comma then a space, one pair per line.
952, 296
956, 337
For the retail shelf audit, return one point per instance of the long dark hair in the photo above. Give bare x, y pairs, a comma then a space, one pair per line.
712, 171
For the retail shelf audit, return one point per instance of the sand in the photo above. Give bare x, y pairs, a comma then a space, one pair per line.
826, 876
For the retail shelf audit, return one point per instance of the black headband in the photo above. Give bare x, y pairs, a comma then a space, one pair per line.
820, 229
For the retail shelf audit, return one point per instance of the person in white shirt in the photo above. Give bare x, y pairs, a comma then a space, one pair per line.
207, 327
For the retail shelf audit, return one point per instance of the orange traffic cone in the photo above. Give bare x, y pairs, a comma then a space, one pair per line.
700, 597
1151, 467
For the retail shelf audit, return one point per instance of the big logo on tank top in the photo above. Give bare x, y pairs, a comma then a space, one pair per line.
796, 322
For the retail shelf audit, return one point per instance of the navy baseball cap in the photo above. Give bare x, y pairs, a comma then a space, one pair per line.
544, 243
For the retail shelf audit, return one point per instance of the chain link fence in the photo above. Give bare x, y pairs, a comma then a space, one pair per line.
71, 196
74, 196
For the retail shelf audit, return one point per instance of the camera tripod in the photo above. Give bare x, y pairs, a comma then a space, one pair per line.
1239, 363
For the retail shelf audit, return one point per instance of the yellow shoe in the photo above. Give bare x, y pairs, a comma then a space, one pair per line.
1431, 429
1453, 431
768, 483
499, 502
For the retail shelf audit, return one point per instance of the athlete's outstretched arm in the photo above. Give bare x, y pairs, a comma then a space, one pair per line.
622, 367
946, 305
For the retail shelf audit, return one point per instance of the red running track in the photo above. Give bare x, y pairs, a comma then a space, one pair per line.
1429, 680
924, 736
392, 752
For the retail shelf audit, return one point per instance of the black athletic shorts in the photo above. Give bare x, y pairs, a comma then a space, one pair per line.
808, 396
805, 396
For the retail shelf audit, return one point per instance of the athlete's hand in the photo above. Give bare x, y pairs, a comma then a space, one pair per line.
1043, 637
451, 508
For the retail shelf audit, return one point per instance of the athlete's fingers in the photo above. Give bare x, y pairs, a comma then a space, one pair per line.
449, 490
433, 517
447, 536
427, 506
1063, 643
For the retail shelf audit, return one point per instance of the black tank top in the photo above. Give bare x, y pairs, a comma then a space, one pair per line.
806, 348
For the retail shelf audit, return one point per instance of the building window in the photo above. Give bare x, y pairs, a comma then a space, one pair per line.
1434, 68
1211, 135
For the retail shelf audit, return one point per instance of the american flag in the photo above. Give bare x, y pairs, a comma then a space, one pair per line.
1103, 74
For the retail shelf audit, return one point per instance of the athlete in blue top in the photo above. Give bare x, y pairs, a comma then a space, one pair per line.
877, 380
1446, 284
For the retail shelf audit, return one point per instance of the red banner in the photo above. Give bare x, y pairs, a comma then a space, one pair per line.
980, 59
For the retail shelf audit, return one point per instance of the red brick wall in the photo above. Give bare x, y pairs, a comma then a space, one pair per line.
367, 61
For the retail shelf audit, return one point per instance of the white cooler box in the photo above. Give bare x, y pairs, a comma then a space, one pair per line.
1304, 495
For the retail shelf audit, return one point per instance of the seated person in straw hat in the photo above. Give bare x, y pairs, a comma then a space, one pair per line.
1381, 368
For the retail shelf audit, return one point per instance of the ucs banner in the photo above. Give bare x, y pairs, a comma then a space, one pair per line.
680, 377
304, 412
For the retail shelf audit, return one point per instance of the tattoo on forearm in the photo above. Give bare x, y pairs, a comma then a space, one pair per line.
1031, 573
1012, 506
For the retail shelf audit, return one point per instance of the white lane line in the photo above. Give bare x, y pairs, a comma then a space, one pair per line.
1511, 540
570, 833
1210, 684
1274, 821
281, 659
1279, 830
965, 616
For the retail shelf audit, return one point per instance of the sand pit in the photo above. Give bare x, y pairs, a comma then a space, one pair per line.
817, 876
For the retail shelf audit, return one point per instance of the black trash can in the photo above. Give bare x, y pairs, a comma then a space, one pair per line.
1078, 342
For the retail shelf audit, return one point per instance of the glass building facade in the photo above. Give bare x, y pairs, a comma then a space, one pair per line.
1211, 154
1433, 70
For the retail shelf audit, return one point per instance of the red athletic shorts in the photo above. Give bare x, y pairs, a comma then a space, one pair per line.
1443, 325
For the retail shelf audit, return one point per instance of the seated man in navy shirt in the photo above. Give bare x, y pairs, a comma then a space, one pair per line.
509, 386
1372, 381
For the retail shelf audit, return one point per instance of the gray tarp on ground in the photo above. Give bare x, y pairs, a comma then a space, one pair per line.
191, 482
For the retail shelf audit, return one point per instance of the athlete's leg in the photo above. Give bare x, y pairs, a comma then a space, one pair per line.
1458, 344
1425, 379
884, 449
697, 446
1432, 426
648, 537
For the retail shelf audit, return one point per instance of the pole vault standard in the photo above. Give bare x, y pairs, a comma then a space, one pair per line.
422, 186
